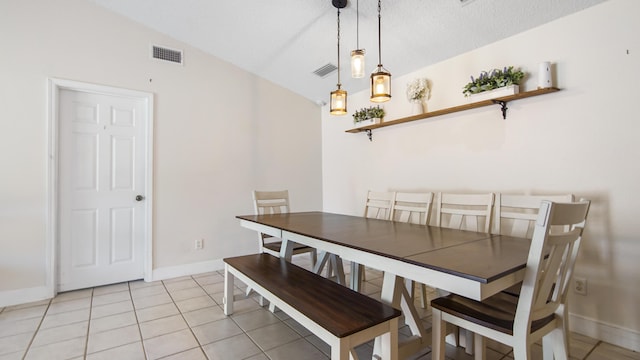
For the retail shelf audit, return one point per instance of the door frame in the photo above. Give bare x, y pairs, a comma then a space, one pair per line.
56, 85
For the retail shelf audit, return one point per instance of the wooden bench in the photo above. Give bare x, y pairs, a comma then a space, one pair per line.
336, 314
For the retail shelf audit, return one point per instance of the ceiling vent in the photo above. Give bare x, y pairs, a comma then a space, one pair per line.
325, 70
465, 2
166, 54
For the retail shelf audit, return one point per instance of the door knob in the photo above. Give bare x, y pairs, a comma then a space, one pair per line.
139, 197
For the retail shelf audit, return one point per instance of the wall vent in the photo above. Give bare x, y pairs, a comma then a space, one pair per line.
325, 70
166, 54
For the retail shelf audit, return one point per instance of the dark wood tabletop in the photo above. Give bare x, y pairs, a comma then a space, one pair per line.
477, 256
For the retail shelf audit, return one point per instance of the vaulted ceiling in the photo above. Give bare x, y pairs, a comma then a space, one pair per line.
287, 40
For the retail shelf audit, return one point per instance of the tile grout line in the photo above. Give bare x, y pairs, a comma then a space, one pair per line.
263, 351
590, 351
246, 296
26, 351
86, 339
228, 317
183, 318
232, 319
135, 314
262, 308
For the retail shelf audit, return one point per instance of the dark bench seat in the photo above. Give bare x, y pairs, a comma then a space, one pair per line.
338, 315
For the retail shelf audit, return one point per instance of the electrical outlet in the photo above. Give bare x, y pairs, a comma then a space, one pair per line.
580, 286
199, 244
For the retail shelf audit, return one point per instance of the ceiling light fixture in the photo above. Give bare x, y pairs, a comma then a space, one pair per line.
338, 97
381, 77
357, 56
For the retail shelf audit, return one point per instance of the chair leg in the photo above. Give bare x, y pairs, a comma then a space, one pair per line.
357, 276
479, 350
438, 329
469, 341
557, 342
521, 351
423, 296
547, 347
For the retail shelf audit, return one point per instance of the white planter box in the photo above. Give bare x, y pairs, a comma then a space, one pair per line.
495, 93
368, 122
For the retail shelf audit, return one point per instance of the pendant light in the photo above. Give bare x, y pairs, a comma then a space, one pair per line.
381, 77
357, 56
338, 97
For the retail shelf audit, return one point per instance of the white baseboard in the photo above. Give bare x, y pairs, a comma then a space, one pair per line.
169, 272
23, 296
613, 334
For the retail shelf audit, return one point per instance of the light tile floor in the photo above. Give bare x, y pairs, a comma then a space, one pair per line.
182, 318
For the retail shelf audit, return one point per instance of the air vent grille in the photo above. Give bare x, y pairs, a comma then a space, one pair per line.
465, 2
163, 53
325, 70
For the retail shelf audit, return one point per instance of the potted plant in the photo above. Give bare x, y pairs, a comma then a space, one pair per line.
507, 80
368, 116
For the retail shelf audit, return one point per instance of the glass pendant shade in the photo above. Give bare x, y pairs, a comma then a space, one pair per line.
357, 63
380, 85
381, 77
338, 102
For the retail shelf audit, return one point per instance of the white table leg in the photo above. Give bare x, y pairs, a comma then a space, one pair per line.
323, 258
286, 250
394, 293
227, 300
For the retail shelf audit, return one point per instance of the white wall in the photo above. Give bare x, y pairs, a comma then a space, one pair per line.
220, 132
582, 140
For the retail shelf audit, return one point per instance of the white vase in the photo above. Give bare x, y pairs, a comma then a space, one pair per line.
544, 75
417, 107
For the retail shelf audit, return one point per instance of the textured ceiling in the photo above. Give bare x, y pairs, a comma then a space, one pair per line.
285, 41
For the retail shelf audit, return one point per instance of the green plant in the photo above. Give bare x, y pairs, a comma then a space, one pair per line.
368, 113
492, 80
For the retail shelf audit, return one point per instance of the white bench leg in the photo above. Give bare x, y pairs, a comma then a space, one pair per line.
227, 300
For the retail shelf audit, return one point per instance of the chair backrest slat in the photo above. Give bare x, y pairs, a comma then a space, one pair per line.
464, 211
412, 208
515, 215
379, 204
271, 202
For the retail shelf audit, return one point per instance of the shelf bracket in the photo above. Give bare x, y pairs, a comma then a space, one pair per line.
369, 134
503, 107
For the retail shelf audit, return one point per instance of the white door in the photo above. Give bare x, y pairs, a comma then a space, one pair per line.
102, 169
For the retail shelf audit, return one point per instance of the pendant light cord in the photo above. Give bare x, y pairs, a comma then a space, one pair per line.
357, 24
379, 42
339, 48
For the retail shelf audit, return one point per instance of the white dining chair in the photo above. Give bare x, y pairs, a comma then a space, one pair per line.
470, 212
414, 208
515, 215
539, 310
464, 211
378, 205
276, 202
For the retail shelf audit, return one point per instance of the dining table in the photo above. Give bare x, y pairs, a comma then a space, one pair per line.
471, 264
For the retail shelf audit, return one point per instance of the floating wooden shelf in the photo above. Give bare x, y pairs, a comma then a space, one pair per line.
502, 101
